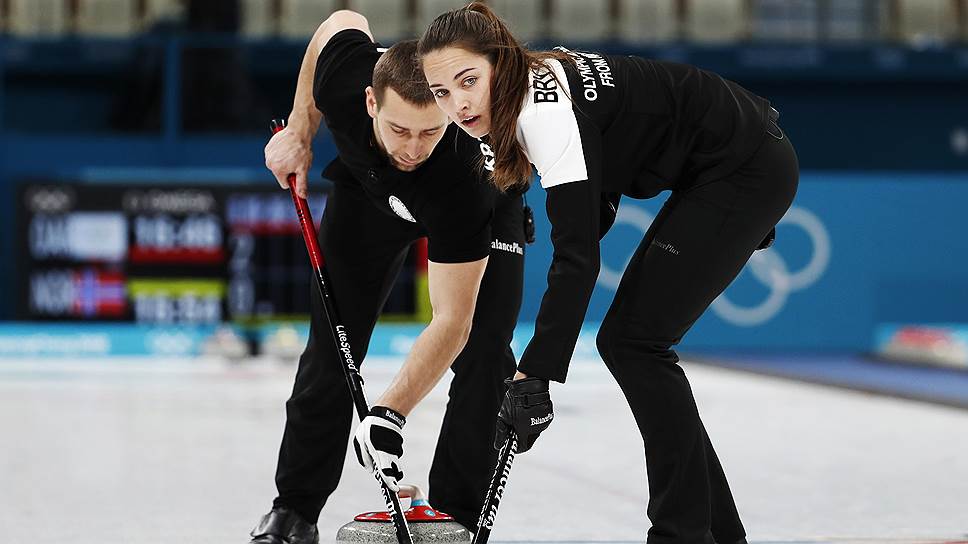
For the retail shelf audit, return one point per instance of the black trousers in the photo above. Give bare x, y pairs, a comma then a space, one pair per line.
696, 246
364, 249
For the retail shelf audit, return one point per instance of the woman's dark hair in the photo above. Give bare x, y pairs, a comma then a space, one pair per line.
477, 29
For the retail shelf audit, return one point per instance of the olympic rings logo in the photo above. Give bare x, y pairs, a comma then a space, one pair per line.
49, 199
767, 266
161, 342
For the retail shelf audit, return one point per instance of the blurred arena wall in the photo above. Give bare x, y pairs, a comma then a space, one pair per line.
157, 94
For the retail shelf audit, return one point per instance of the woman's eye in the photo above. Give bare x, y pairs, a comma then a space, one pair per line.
470, 81
440, 93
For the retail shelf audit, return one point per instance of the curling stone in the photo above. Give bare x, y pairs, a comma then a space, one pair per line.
426, 524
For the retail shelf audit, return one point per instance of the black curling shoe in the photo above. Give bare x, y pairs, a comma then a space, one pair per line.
284, 526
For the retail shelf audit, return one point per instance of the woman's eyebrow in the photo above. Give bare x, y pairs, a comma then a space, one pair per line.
462, 72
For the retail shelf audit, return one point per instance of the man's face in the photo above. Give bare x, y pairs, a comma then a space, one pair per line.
407, 133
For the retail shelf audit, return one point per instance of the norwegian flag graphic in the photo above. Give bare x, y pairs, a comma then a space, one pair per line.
99, 293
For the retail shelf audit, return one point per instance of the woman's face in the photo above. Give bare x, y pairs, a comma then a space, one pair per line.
461, 83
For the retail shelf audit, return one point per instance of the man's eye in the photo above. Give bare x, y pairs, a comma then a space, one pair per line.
470, 81
440, 93
398, 131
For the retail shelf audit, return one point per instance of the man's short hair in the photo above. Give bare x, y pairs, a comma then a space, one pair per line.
398, 69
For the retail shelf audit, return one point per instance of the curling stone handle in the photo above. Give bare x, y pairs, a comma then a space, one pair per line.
414, 493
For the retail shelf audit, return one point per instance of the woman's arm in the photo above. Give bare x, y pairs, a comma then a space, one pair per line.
566, 149
573, 210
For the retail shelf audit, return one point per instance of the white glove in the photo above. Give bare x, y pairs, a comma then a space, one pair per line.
379, 444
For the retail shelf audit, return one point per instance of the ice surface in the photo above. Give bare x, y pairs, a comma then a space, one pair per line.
169, 451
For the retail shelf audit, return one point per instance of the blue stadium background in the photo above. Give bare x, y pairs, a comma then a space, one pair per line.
873, 94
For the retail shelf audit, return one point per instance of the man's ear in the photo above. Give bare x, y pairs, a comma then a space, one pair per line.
371, 106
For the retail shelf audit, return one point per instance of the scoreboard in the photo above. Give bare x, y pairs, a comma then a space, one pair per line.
167, 254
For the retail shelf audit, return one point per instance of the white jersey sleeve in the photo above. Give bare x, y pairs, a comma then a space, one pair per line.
548, 129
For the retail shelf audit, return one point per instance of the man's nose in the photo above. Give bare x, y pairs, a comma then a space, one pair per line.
413, 148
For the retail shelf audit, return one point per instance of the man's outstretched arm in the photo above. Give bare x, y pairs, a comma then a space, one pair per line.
378, 440
290, 150
453, 295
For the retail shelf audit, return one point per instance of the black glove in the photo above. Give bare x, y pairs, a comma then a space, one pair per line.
527, 409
